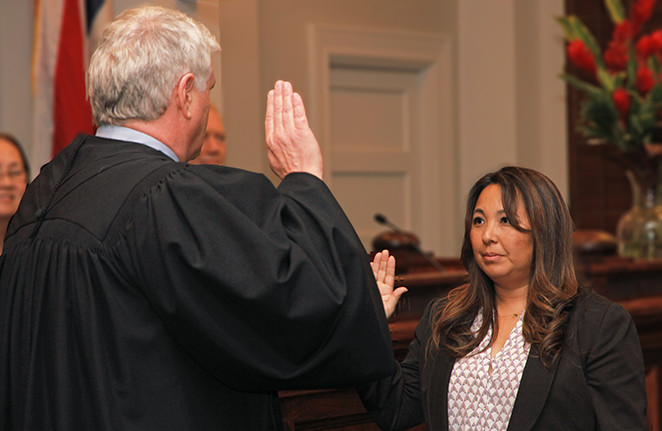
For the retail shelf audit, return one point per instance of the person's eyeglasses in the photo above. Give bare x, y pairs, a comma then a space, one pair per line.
13, 174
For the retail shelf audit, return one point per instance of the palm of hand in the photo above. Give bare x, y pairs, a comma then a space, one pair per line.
383, 267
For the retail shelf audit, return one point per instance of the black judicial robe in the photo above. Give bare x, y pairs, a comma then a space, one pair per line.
138, 293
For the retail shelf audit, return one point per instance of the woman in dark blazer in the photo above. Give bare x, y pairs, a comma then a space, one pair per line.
521, 346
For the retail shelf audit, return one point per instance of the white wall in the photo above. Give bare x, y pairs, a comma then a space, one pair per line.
540, 99
511, 103
15, 66
487, 121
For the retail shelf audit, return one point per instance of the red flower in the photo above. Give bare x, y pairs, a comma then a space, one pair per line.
645, 47
645, 80
656, 37
640, 13
581, 56
616, 56
621, 100
622, 32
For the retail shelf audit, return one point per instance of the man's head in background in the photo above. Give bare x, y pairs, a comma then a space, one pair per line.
214, 149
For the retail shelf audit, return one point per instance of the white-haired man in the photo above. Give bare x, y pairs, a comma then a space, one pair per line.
140, 292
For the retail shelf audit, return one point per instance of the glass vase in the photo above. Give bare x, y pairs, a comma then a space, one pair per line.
639, 230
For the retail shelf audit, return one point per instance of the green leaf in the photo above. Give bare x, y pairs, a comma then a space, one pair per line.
568, 29
654, 64
591, 90
599, 119
606, 80
631, 67
655, 99
615, 9
656, 94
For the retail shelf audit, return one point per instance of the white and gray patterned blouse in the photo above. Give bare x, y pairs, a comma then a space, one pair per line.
478, 399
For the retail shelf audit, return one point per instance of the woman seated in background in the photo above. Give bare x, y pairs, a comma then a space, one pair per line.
521, 346
14, 174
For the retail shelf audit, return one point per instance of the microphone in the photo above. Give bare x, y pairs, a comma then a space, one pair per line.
381, 219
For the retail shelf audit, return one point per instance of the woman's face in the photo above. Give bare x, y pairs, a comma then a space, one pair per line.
501, 251
13, 179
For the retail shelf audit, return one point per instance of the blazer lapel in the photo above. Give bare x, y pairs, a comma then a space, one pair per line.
533, 390
438, 371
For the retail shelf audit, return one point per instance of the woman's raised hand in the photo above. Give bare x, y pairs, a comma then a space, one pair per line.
383, 267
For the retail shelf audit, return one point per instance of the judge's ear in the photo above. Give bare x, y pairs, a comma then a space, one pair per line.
183, 94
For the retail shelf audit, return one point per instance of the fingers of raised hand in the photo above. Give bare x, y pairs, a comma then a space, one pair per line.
299, 110
376, 259
288, 116
382, 273
278, 106
390, 270
285, 112
379, 265
269, 117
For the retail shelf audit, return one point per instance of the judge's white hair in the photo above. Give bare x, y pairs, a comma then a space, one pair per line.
141, 57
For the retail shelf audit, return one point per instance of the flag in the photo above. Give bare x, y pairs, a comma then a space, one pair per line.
66, 32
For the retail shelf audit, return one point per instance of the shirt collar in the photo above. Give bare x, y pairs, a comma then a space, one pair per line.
121, 133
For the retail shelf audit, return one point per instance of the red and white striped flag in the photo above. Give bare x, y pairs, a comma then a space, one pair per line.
66, 32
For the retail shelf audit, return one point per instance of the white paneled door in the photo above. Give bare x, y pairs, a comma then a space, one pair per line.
386, 129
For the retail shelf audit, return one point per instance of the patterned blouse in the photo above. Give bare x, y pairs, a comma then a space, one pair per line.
478, 400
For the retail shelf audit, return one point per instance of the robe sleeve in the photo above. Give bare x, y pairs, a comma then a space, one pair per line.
266, 288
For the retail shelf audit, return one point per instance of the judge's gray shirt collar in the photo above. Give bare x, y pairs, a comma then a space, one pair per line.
121, 133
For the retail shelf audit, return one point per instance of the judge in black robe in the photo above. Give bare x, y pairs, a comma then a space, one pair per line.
142, 293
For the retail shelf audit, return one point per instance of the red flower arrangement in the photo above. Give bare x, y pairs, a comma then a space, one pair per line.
623, 107
623, 85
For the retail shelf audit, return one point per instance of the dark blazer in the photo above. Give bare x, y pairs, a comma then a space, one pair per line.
597, 383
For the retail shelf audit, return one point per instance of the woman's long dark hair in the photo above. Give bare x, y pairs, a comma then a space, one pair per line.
552, 283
